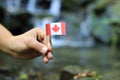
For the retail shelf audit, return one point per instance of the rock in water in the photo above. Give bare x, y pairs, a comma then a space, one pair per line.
69, 72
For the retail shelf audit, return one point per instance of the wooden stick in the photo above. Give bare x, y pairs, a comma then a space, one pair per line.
47, 39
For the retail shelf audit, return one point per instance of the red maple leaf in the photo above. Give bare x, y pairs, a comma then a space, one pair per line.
55, 28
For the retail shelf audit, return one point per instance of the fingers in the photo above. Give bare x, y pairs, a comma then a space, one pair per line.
45, 59
37, 46
42, 49
46, 40
42, 44
43, 38
50, 56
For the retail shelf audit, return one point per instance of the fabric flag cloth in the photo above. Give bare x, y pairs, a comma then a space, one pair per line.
58, 28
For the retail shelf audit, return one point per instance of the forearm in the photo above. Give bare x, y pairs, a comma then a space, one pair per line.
4, 38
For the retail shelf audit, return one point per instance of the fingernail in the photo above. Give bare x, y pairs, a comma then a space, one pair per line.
45, 60
50, 55
44, 50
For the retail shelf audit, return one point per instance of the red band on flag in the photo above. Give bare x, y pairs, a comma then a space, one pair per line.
48, 29
63, 27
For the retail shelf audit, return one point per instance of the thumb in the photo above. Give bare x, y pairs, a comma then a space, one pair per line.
38, 46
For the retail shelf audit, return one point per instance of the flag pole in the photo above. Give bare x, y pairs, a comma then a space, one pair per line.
47, 39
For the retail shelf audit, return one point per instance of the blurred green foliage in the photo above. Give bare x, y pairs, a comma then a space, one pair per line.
115, 7
23, 76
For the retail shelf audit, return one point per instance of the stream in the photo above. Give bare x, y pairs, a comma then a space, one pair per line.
105, 60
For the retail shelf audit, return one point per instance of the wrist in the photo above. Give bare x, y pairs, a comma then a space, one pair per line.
5, 44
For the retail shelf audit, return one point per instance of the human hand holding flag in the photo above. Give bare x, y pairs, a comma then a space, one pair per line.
58, 28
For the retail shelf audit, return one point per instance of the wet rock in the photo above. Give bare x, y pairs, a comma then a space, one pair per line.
76, 73
69, 72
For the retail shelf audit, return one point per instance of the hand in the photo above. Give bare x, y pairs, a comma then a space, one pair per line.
29, 45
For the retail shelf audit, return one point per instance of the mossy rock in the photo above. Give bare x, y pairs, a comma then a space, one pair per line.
69, 72
73, 69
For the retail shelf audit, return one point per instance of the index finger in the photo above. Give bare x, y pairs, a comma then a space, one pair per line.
43, 38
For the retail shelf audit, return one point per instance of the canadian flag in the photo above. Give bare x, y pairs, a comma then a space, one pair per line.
58, 28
